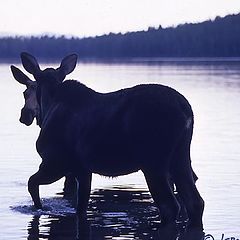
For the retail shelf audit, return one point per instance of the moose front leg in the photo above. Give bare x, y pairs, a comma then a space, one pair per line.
83, 193
41, 177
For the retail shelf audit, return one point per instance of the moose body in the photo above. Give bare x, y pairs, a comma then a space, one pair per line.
146, 127
115, 133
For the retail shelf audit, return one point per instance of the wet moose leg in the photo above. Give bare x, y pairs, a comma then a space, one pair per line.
163, 196
83, 193
191, 198
185, 178
70, 186
40, 178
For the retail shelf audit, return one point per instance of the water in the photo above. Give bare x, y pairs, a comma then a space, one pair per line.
213, 89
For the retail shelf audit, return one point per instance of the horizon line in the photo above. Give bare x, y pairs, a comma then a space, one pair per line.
69, 36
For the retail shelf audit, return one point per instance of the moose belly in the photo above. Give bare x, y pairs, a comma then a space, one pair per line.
109, 163
115, 167
107, 153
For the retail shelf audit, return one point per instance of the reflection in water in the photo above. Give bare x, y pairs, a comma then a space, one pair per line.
115, 213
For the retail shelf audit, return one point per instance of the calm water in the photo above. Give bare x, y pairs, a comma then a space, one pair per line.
213, 89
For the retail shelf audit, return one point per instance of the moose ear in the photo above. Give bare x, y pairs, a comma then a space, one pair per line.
30, 63
20, 76
68, 64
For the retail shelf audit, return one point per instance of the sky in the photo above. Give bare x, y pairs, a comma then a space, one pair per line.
84, 18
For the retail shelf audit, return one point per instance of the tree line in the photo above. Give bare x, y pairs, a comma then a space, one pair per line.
213, 38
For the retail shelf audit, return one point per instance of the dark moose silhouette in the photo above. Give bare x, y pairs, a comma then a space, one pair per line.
146, 127
31, 110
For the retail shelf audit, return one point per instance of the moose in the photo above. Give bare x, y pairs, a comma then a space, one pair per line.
147, 127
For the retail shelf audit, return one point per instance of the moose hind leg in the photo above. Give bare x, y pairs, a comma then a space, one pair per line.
163, 196
184, 178
41, 177
191, 198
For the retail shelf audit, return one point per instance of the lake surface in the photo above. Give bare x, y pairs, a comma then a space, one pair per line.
212, 88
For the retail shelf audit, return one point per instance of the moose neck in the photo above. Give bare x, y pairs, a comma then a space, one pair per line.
46, 99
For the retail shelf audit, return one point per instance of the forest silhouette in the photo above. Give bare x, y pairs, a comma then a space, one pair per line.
213, 38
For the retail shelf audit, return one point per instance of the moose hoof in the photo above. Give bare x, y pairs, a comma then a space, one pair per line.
81, 214
196, 226
167, 231
38, 206
193, 234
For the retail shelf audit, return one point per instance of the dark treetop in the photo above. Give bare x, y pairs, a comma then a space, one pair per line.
217, 38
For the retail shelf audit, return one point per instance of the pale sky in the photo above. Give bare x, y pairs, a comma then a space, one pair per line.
96, 17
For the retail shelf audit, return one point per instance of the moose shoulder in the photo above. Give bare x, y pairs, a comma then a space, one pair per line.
146, 127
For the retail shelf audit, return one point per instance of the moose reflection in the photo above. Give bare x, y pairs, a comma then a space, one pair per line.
110, 216
147, 127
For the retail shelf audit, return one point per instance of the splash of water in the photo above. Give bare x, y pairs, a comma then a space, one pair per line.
51, 206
